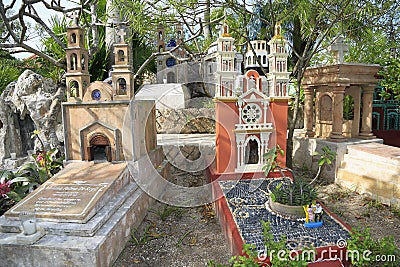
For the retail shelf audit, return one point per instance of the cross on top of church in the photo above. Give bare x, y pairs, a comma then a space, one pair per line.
121, 33
338, 48
75, 17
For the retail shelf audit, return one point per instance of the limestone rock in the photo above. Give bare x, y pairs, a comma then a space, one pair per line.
31, 103
186, 121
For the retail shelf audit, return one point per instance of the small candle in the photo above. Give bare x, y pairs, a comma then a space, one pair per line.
29, 227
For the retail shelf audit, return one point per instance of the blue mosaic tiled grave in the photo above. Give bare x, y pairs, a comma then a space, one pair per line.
246, 200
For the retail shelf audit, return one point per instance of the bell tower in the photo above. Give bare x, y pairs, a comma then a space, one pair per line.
278, 77
226, 64
77, 77
122, 76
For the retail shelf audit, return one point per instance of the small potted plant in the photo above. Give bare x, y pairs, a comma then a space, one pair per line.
288, 198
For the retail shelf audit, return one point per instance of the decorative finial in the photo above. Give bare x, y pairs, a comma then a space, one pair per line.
121, 33
75, 18
338, 48
278, 29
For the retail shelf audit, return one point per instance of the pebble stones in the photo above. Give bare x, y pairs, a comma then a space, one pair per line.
246, 199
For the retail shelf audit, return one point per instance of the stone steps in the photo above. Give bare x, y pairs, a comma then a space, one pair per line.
373, 169
363, 166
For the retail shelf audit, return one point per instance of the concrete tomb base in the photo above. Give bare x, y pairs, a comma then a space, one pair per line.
304, 147
104, 225
372, 169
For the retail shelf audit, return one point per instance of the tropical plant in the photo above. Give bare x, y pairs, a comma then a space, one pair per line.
10, 69
271, 160
326, 157
367, 251
391, 78
295, 193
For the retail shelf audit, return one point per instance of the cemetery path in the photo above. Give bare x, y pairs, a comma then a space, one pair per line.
173, 236
359, 211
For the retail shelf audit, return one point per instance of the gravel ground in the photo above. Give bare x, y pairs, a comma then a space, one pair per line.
171, 236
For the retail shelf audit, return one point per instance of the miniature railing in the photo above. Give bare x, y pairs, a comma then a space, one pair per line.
249, 127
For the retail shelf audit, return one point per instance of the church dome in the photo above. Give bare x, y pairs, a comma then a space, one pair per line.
171, 43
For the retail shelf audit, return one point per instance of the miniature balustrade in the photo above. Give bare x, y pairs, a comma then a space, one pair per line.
258, 126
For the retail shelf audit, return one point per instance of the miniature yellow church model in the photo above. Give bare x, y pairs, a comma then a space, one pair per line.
99, 118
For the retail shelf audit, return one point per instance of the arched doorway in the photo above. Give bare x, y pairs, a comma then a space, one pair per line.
99, 148
252, 156
171, 77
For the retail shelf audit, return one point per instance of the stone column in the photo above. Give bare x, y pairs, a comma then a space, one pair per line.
308, 111
337, 124
366, 120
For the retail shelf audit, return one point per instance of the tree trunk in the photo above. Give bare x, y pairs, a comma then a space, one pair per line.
292, 125
207, 29
112, 21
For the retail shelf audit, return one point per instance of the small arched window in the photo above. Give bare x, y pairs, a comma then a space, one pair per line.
73, 61
121, 55
73, 38
121, 86
74, 89
83, 62
264, 59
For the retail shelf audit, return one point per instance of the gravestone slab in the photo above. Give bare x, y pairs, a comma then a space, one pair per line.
75, 195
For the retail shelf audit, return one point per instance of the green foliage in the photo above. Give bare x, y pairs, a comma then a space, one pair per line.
167, 211
271, 159
370, 251
391, 78
141, 239
348, 107
285, 259
98, 63
249, 259
10, 69
326, 156
16, 185
296, 193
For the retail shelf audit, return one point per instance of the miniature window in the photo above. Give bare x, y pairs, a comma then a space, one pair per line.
264, 59
121, 55
171, 77
259, 58
73, 38
96, 94
258, 46
74, 89
121, 83
251, 113
73, 61
83, 62
252, 156
263, 46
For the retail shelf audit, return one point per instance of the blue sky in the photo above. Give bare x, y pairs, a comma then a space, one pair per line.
44, 14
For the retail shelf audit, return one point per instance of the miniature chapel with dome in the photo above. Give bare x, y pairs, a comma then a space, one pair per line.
100, 118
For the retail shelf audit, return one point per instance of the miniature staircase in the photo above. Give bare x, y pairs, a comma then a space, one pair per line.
373, 169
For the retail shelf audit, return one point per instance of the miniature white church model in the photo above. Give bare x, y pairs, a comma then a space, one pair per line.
245, 119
